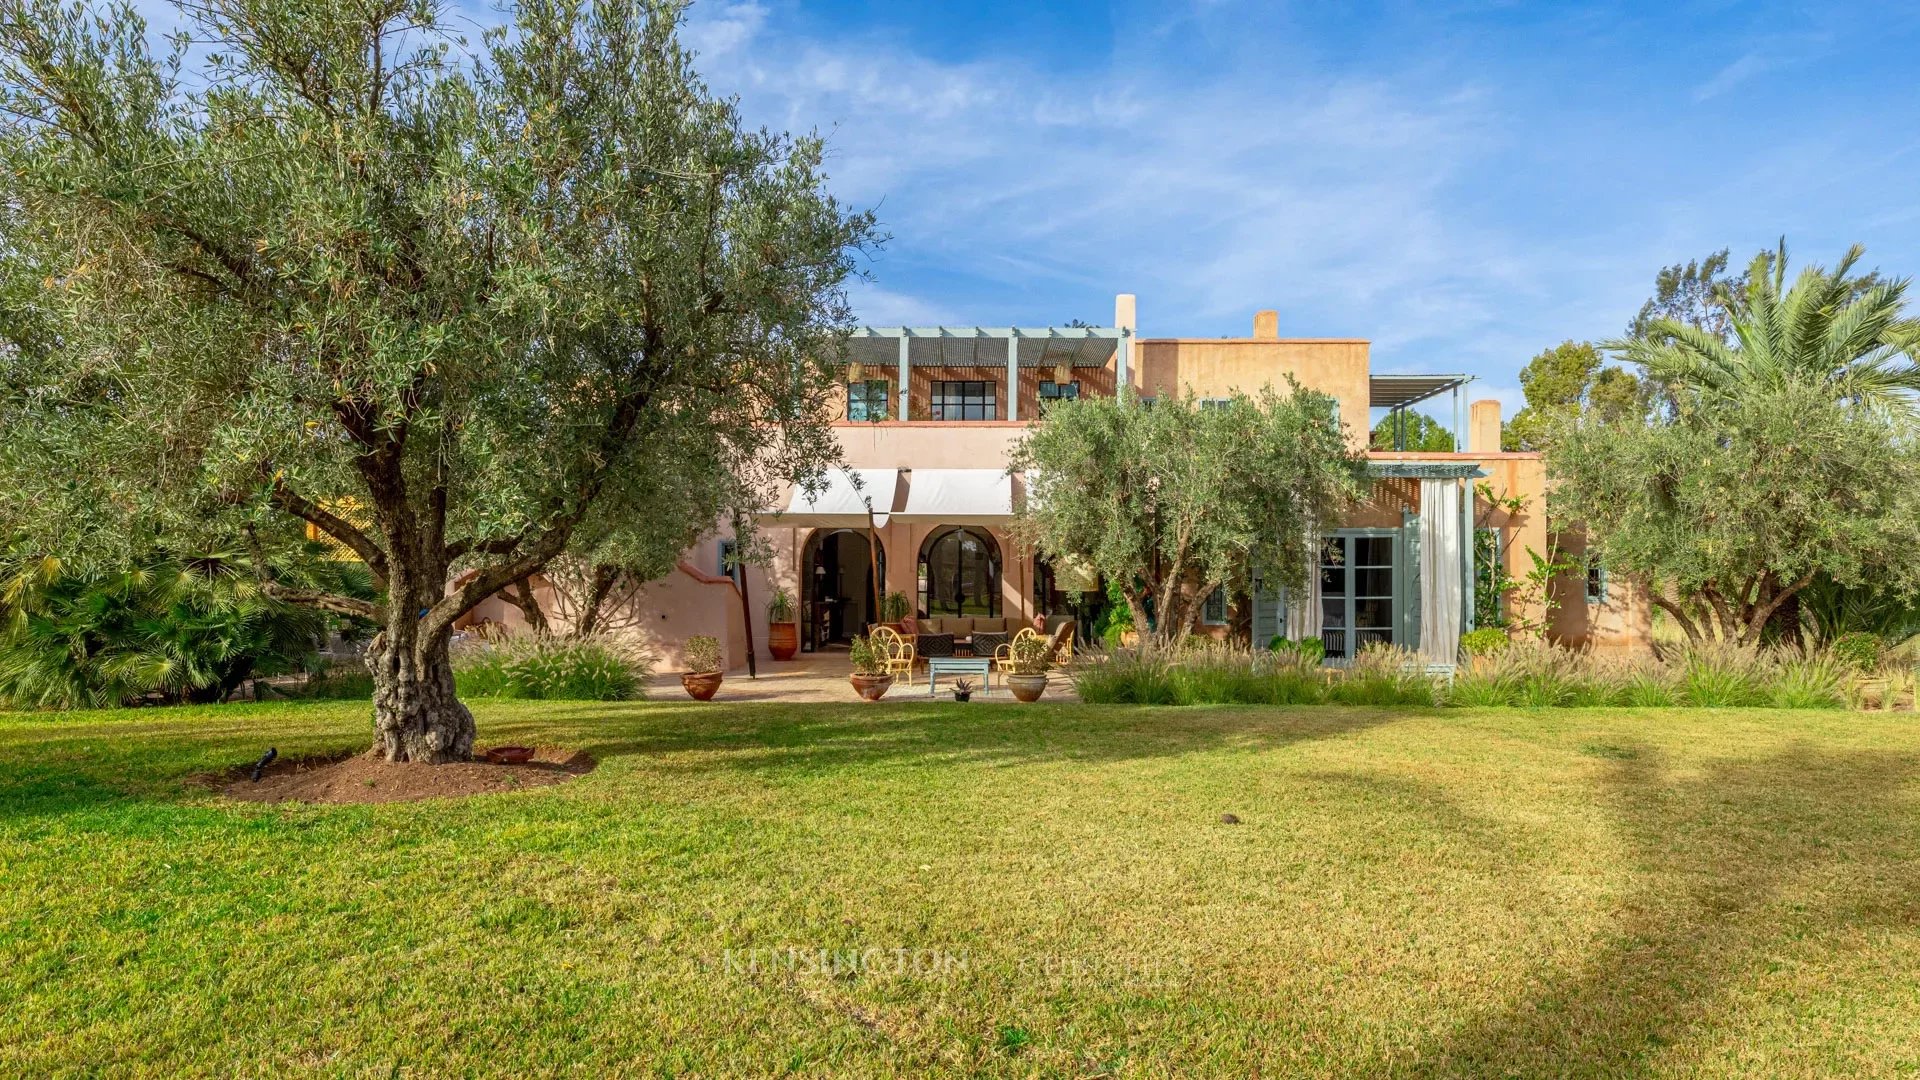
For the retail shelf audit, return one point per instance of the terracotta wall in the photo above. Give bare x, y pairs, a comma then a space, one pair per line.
1219, 366
1623, 621
662, 614
928, 445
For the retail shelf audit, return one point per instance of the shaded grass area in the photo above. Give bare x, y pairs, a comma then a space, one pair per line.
1001, 890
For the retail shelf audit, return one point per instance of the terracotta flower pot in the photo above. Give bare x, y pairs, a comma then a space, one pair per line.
871, 687
1026, 687
783, 640
701, 686
510, 755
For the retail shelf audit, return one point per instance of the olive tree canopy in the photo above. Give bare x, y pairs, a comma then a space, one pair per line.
462, 308
1176, 498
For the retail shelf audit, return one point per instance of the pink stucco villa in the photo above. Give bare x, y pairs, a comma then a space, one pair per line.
926, 421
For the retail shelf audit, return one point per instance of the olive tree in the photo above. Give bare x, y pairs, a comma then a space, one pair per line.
1729, 510
462, 308
1173, 499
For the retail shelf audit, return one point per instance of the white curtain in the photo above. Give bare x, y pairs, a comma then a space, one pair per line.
1440, 585
1303, 605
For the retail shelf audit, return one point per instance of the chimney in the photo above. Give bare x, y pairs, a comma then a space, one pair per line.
1123, 312
1266, 325
1483, 427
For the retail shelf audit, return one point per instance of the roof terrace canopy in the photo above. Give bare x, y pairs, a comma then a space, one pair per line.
1400, 391
906, 347
984, 346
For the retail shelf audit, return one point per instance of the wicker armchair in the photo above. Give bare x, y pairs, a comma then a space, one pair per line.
897, 650
1003, 656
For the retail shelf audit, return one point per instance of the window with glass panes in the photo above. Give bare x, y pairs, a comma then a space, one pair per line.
867, 399
1356, 593
965, 399
1051, 391
1596, 580
1214, 611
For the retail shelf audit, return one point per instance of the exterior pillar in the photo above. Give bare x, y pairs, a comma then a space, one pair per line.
1466, 554
1121, 356
1013, 375
906, 374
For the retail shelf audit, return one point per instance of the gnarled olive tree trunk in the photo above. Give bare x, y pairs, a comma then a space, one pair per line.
417, 716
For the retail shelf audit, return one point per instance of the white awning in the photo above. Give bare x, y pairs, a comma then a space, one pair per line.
840, 505
959, 497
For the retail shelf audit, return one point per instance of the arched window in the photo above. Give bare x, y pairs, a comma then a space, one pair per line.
960, 573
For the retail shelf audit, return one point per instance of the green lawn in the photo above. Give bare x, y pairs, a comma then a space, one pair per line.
1409, 893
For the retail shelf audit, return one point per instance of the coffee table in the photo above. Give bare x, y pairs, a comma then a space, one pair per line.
958, 665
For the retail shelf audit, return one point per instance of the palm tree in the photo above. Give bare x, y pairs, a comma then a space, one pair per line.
1831, 326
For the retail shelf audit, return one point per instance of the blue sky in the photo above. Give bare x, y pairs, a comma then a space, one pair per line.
1463, 184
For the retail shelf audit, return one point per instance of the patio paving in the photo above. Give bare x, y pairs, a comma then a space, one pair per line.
822, 677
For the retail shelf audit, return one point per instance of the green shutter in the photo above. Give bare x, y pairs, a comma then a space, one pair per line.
1409, 591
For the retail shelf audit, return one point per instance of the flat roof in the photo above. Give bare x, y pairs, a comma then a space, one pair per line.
1399, 391
986, 346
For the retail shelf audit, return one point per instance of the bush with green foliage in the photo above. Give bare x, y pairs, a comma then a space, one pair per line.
1859, 650
1484, 642
1310, 650
542, 667
1116, 621
169, 630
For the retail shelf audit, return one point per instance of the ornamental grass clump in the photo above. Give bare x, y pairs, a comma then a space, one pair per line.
1724, 676
1198, 672
1542, 675
1384, 675
544, 667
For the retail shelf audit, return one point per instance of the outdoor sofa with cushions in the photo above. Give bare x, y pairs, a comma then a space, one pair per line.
965, 625
961, 628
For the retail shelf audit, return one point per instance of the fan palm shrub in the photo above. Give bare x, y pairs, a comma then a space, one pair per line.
170, 629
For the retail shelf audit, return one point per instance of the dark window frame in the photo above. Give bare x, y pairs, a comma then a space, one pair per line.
860, 407
979, 397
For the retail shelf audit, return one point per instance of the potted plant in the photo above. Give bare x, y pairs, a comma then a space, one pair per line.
963, 690
703, 674
1028, 658
783, 633
894, 609
870, 675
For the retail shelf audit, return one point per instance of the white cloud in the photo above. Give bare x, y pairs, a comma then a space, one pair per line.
1746, 67
1209, 197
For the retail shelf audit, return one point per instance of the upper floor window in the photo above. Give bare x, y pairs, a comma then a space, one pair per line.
728, 558
1596, 580
867, 400
964, 400
1051, 391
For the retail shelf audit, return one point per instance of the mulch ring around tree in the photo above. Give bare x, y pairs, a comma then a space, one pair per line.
367, 778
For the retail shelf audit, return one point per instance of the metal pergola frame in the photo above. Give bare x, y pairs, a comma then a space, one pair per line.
1398, 393
1026, 346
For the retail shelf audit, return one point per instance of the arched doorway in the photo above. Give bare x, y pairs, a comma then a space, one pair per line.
960, 572
837, 597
